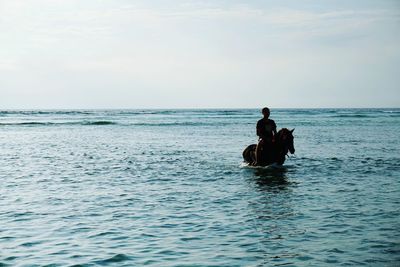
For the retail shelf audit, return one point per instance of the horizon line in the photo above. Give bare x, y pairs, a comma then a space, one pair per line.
192, 108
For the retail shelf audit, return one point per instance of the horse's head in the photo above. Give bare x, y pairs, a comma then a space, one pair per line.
285, 137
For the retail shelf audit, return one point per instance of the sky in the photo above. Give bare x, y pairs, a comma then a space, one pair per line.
60, 54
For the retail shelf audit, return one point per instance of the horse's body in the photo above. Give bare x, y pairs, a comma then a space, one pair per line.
273, 153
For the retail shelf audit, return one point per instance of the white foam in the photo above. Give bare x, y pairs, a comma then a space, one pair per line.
271, 166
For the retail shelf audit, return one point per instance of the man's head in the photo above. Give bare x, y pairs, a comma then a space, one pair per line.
265, 112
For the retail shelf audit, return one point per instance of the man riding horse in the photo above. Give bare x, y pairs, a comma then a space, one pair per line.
266, 131
272, 146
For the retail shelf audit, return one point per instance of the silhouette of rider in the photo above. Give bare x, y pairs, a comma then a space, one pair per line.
266, 130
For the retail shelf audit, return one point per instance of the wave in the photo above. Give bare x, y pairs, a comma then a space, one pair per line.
114, 259
365, 113
184, 123
47, 112
353, 116
128, 112
99, 123
28, 123
372, 116
105, 123
41, 123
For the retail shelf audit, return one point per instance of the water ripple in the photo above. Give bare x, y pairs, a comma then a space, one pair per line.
131, 193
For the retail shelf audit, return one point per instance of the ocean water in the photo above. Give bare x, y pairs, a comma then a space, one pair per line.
168, 188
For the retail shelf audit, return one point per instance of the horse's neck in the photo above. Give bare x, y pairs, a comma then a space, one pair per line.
279, 144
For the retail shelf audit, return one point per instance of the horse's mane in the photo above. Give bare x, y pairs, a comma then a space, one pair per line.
283, 131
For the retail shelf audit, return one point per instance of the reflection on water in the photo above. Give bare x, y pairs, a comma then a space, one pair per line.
272, 209
271, 177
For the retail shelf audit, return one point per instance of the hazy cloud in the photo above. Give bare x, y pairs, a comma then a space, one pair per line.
201, 54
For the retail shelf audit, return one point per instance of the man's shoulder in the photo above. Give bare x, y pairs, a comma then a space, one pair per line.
272, 123
260, 122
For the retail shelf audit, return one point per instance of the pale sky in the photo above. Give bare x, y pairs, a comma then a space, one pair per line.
199, 54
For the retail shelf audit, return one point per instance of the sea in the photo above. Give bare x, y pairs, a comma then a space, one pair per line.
169, 188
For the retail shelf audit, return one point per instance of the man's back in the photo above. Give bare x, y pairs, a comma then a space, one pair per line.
266, 128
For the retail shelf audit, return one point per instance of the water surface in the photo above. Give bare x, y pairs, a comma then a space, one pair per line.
168, 188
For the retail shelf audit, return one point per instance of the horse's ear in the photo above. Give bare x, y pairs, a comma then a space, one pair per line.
292, 130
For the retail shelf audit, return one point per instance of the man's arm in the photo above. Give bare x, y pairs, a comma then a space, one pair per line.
274, 128
260, 130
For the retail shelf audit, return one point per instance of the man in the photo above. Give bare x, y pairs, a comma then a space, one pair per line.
266, 130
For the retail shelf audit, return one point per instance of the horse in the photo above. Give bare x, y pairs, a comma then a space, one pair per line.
274, 153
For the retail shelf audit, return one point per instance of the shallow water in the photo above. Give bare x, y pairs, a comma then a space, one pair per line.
168, 188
